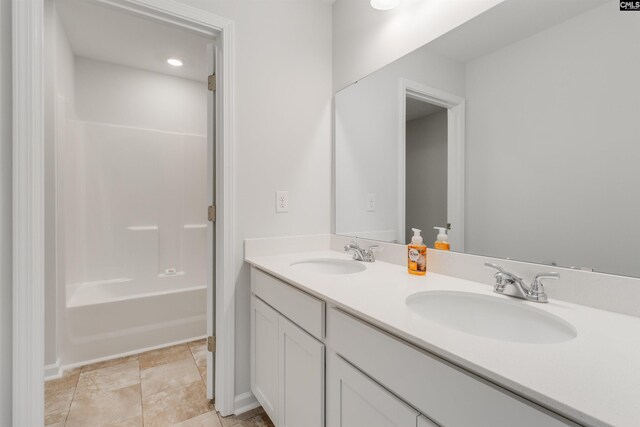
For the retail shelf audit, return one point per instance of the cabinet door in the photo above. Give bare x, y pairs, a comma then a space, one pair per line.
301, 378
355, 400
264, 356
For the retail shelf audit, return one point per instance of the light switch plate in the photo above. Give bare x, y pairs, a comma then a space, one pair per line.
282, 201
371, 202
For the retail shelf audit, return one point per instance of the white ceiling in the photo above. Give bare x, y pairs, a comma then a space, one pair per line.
109, 35
417, 109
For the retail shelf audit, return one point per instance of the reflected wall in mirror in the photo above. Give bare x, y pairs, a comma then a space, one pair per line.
517, 128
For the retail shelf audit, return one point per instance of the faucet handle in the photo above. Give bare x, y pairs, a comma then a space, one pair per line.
536, 291
537, 286
370, 253
499, 276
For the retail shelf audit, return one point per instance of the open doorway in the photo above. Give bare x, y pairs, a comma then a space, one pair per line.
431, 145
426, 168
129, 239
28, 176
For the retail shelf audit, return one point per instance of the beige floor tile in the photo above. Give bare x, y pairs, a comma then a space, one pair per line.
176, 405
68, 381
236, 419
108, 394
196, 343
199, 350
199, 354
55, 418
210, 419
58, 395
169, 376
105, 380
57, 401
164, 355
122, 407
259, 421
109, 363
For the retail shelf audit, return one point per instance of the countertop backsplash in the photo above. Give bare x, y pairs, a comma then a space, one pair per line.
598, 290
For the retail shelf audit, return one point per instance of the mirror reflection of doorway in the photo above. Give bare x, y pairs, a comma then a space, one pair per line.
426, 168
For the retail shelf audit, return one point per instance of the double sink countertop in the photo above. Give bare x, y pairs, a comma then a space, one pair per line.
593, 379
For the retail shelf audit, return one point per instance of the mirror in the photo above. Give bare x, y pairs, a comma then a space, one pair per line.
518, 129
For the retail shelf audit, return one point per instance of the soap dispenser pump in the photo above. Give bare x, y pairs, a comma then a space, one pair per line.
441, 241
417, 255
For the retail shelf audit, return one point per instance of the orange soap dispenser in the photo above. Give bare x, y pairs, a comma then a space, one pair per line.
441, 242
417, 255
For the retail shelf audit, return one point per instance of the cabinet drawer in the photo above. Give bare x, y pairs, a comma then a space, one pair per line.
301, 308
446, 394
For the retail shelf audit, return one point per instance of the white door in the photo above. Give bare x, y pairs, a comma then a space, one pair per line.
301, 377
356, 400
264, 356
211, 228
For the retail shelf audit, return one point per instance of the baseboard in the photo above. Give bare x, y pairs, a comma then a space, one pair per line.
62, 369
245, 402
53, 371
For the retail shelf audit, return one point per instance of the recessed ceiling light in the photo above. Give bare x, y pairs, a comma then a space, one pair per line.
384, 4
174, 62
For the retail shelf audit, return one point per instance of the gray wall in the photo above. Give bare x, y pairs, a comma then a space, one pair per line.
5, 214
426, 175
553, 147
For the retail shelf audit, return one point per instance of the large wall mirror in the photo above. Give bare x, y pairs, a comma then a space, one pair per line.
519, 130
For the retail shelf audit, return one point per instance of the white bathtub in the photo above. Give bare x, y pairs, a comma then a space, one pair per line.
132, 226
106, 320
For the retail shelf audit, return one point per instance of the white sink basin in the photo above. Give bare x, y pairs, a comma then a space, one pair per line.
491, 317
330, 266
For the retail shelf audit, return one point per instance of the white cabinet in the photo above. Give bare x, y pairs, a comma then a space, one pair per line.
264, 356
373, 378
355, 400
446, 394
287, 369
301, 377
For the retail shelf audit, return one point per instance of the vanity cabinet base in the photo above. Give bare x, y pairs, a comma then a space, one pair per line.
442, 392
287, 369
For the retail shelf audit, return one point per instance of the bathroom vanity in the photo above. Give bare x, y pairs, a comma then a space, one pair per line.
515, 132
339, 346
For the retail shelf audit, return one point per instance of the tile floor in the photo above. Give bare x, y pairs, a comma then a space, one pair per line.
162, 387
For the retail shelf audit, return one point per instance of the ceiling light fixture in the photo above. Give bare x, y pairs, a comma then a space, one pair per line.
384, 4
175, 62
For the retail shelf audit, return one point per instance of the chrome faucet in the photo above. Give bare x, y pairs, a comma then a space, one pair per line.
512, 285
361, 254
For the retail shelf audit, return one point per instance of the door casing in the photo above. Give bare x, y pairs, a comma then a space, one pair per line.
28, 196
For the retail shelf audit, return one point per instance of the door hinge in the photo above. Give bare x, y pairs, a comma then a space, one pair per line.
211, 213
211, 344
212, 82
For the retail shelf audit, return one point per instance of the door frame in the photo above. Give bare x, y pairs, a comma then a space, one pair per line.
28, 196
455, 106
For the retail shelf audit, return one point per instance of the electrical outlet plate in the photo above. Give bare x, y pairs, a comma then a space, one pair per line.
282, 201
371, 202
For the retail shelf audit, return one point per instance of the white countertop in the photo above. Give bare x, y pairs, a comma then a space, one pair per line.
593, 379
